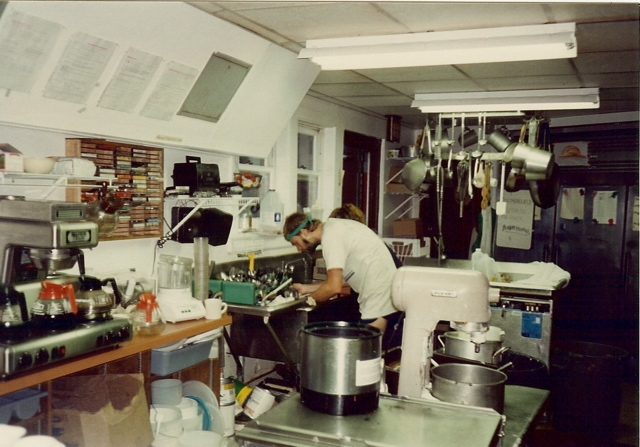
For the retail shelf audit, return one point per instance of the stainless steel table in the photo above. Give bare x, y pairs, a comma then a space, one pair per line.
399, 421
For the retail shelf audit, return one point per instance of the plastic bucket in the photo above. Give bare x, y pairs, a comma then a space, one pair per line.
586, 387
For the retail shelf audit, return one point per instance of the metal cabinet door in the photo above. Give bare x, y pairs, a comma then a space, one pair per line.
592, 253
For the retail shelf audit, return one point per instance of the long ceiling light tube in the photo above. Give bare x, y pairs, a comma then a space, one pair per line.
506, 44
556, 99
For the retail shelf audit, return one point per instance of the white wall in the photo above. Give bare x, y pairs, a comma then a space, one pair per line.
121, 256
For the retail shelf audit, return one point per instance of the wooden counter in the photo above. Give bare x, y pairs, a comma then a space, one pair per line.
173, 332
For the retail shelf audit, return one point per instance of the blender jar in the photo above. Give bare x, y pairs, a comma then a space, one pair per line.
174, 272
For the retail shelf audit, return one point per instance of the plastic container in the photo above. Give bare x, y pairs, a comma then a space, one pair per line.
586, 387
200, 438
23, 404
164, 363
271, 212
169, 417
166, 392
317, 211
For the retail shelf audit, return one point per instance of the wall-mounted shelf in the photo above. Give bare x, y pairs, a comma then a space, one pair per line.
210, 202
139, 183
50, 181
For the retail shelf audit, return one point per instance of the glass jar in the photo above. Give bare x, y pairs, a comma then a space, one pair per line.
147, 317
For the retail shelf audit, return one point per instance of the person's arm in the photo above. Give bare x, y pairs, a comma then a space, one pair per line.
324, 290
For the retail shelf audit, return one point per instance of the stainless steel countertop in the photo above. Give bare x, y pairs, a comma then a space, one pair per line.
266, 311
398, 422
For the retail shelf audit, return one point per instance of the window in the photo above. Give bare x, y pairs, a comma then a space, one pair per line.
308, 175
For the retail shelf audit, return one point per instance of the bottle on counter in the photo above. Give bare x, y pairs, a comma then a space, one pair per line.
271, 212
317, 211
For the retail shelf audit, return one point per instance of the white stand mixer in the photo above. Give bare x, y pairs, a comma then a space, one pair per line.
428, 295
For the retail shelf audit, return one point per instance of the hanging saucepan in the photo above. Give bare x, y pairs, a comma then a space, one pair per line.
545, 192
499, 140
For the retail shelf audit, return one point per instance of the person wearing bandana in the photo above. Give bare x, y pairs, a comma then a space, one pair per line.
354, 256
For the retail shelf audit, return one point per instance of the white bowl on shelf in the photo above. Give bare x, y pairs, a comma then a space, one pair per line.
38, 165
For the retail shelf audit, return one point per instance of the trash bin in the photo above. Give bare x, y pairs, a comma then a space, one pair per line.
586, 387
525, 370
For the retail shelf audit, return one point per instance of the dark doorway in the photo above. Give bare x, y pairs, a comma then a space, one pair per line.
361, 165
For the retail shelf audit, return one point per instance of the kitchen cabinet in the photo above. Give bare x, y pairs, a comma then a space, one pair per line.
133, 356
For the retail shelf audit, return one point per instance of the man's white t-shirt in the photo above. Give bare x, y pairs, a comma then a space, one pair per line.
366, 264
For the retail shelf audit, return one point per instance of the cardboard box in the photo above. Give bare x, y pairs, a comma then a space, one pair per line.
398, 188
11, 159
407, 228
107, 410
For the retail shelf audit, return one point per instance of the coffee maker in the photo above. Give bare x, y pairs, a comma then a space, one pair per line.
47, 235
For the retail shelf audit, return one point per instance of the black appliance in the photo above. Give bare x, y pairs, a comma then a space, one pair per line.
199, 177
205, 222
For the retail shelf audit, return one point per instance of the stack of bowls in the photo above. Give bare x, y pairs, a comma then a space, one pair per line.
191, 414
166, 420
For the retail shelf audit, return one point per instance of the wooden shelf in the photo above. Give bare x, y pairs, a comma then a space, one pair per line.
173, 332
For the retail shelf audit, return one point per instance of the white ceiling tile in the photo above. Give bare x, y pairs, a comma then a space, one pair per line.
531, 83
593, 12
607, 33
339, 76
608, 62
607, 36
413, 74
452, 85
444, 16
377, 101
522, 68
609, 80
318, 20
353, 89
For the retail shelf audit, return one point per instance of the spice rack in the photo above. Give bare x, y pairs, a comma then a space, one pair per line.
138, 179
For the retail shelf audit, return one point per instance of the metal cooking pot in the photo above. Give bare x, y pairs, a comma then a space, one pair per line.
459, 344
341, 367
545, 193
409, 151
473, 385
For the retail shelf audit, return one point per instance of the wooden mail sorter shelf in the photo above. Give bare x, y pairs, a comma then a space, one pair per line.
137, 173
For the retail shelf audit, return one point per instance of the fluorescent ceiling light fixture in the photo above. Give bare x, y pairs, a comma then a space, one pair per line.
507, 44
556, 99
